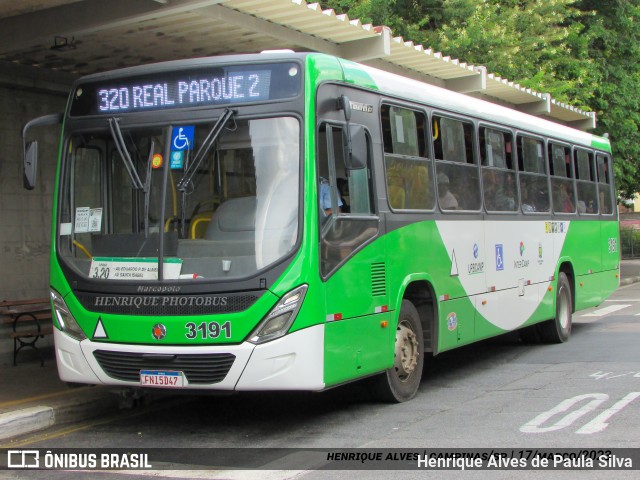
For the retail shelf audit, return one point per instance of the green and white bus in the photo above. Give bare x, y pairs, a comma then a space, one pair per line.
289, 221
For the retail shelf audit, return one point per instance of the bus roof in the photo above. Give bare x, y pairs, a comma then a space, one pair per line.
453, 102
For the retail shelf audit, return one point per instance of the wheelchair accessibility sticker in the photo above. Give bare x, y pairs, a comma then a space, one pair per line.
182, 138
499, 257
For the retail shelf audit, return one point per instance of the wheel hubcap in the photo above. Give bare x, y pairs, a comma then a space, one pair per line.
406, 351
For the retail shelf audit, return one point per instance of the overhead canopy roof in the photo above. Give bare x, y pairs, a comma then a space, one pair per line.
86, 36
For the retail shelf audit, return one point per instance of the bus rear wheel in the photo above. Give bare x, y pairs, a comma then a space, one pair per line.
400, 382
558, 330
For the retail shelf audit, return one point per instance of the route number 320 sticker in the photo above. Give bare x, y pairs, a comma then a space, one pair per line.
206, 330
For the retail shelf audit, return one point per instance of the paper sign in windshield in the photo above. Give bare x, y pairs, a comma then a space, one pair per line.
88, 220
108, 268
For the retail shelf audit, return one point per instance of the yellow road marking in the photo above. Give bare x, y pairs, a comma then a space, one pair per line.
12, 403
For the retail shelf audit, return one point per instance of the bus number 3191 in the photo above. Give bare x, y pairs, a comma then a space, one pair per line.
207, 330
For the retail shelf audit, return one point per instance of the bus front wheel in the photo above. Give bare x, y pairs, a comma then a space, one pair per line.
400, 382
559, 329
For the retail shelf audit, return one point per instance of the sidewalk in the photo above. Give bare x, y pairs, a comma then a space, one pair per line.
32, 397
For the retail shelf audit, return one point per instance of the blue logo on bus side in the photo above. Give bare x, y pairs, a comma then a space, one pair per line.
499, 257
452, 321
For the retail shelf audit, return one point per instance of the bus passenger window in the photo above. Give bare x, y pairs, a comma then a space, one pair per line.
408, 171
560, 166
534, 188
585, 182
604, 184
498, 170
457, 176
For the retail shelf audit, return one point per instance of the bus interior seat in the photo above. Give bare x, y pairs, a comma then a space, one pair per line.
199, 224
234, 221
397, 195
419, 187
201, 217
395, 185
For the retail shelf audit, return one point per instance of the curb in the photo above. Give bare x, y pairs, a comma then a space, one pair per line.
27, 420
629, 281
77, 405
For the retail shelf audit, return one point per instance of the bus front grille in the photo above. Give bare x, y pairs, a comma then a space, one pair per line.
199, 369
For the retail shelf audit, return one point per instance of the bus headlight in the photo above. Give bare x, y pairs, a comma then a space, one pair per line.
279, 319
66, 321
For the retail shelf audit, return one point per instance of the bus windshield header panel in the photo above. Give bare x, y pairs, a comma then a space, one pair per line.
193, 87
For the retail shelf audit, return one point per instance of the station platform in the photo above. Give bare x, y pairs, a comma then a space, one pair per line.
33, 398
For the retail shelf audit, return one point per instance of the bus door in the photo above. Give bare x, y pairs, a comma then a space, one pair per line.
352, 255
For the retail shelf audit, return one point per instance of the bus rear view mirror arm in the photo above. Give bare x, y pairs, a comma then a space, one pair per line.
30, 149
354, 139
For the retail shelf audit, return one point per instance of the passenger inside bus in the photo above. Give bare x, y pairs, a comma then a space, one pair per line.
325, 197
343, 194
499, 191
447, 199
566, 203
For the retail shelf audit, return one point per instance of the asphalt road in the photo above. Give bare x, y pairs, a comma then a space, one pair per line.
499, 393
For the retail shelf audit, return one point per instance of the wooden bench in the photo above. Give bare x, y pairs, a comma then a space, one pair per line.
31, 320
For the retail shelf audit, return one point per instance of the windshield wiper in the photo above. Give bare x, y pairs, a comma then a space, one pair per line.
147, 188
213, 135
121, 146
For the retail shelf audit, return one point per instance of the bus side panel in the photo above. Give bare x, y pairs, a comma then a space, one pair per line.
610, 242
594, 252
456, 323
582, 246
593, 289
420, 250
357, 342
537, 295
357, 346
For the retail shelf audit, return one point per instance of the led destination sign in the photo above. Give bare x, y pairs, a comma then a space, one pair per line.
210, 86
235, 88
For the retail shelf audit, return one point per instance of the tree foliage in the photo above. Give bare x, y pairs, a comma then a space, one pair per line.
584, 52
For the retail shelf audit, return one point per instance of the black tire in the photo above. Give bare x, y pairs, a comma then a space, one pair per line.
558, 330
530, 335
400, 382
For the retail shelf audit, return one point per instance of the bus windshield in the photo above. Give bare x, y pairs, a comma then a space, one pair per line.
215, 200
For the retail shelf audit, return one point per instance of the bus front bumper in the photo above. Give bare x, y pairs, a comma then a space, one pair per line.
292, 362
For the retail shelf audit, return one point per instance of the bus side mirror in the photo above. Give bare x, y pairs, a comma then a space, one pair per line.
30, 165
30, 149
356, 153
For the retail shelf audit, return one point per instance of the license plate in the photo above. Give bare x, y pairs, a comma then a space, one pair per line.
155, 378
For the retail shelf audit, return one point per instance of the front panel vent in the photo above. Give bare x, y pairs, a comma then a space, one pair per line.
378, 279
